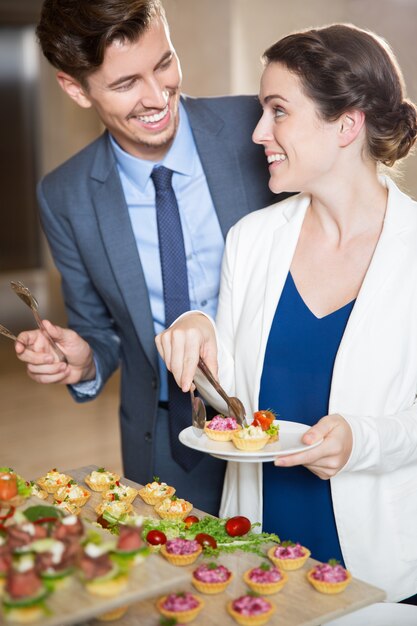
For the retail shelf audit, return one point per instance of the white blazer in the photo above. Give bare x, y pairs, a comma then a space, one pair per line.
374, 382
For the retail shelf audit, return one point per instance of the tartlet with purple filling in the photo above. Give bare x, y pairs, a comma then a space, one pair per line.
181, 551
265, 579
211, 578
184, 606
329, 577
251, 610
221, 428
289, 556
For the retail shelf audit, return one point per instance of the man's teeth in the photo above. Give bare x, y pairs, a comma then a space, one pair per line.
276, 157
148, 119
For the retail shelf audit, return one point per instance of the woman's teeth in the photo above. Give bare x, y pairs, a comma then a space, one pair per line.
276, 157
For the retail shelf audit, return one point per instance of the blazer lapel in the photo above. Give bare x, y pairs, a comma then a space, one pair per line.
386, 261
119, 241
220, 163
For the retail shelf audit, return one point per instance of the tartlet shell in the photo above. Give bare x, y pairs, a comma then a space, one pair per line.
183, 616
250, 620
289, 564
250, 444
220, 435
211, 588
181, 559
265, 589
328, 588
171, 514
152, 499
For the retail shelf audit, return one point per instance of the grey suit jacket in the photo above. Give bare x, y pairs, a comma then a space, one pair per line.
86, 222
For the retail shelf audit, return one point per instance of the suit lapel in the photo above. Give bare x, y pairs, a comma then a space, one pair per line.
220, 163
119, 242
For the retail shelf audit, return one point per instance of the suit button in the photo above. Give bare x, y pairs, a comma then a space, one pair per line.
148, 436
154, 383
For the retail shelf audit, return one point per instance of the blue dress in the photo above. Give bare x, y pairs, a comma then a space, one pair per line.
295, 383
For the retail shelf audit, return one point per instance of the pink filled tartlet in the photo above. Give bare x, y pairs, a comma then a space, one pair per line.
181, 606
329, 577
181, 551
211, 578
266, 579
221, 428
288, 555
250, 610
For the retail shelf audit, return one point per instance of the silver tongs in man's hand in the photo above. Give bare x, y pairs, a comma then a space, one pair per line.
236, 408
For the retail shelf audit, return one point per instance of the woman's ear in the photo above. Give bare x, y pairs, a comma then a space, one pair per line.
73, 89
350, 125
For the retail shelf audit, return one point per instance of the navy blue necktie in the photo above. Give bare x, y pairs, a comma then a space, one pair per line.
176, 300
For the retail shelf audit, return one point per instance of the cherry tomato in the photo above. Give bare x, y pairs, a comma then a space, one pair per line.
8, 486
206, 540
237, 526
190, 520
156, 537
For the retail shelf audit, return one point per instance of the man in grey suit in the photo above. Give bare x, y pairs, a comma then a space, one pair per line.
98, 213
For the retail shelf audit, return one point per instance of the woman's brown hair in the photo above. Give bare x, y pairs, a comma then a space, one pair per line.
342, 67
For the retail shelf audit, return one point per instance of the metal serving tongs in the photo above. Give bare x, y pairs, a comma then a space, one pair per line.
7, 333
235, 406
198, 413
29, 299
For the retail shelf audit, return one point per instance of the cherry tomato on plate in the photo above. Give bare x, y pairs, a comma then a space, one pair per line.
190, 520
156, 537
206, 540
237, 526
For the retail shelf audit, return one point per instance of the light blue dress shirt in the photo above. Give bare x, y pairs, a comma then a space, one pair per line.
203, 238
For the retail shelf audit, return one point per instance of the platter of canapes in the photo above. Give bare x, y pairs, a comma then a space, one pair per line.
263, 440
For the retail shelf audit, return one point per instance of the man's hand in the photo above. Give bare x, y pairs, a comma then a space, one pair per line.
43, 366
328, 457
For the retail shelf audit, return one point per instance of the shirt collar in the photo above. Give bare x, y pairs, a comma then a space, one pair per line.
181, 157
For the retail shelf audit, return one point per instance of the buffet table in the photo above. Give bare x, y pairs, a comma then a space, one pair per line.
298, 604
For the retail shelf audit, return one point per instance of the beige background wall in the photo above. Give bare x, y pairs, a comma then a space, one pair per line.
220, 43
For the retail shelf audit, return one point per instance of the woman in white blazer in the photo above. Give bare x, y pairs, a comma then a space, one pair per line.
333, 110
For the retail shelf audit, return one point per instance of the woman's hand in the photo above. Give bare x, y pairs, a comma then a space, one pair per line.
329, 456
42, 363
182, 344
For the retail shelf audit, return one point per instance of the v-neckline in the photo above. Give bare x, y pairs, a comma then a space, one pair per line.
350, 303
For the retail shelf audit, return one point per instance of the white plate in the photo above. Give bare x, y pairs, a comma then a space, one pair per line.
289, 442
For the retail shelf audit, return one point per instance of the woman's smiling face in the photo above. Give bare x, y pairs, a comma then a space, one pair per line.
301, 147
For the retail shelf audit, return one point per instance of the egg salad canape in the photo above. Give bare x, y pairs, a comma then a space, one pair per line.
101, 479
250, 438
173, 508
155, 492
53, 480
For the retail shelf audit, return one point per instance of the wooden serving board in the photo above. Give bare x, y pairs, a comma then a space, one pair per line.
298, 604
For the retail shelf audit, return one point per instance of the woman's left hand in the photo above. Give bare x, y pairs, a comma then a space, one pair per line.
329, 456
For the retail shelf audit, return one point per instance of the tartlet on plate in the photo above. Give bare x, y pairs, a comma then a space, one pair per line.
211, 578
120, 492
183, 607
289, 556
221, 428
181, 551
249, 610
329, 577
173, 508
155, 492
116, 507
265, 579
250, 438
